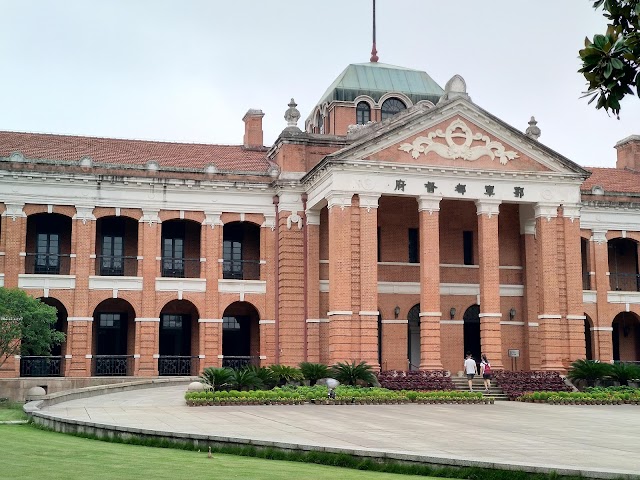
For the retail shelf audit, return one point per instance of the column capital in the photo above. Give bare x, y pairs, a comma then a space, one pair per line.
313, 217
212, 219
546, 210
488, 207
150, 216
84, 213
290, 202
369, 200
571, 212
429, 203
14, 210
599, 236
339, 199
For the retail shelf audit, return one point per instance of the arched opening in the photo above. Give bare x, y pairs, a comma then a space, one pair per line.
588, 337
391, 106
471, 333
623, 265
241, 251
51, 365
48, 244
319, 122
584, 251
178, 339
413, 336
240, 335
626, 337
363, 113
181, 249
117, 246
113, 338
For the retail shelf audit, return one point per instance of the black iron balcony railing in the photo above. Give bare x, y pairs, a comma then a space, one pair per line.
48, 263
41, 366
626, 282
116, 265
112, 365
241, 269
178, 267
177, 365
239, 362
586, 281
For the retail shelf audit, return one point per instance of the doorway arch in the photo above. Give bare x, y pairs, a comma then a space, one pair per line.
588, 337
413, 337
471, 331
178, 338
114, 338
626, 337
240, 335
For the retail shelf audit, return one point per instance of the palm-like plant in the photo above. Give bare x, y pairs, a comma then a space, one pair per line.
314, 371
350, 373
623, 372
286, 374
588, 370
246, 379
217, 378
266, 376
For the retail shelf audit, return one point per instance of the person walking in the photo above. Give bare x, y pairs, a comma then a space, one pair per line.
471, 369
485, 371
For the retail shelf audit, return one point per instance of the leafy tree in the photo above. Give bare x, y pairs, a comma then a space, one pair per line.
26, 325
611, 62
623, 372
314, 371
217, 378
350, 373
588, 370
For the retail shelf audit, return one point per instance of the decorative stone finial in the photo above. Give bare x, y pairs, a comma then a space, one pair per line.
292, 115
533, 131
456, 87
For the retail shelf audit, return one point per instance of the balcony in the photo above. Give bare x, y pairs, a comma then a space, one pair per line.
176, 365
48, 263
180, 267
240, 362
112, 365
41, 366
241, 269
625, 282
116, 266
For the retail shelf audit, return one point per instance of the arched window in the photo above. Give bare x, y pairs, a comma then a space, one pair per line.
363, 113
320, 122
391, 106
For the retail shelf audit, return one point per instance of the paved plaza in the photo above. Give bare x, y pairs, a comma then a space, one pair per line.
595, 438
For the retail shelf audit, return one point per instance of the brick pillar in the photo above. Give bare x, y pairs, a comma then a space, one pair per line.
80, 324
267, 273
490, 313
531, 338
147, 324
313, 285
14, 229
573, 272
430, 315
368, 313
290, 260
602, 324
340, 312
551, 332
210, 321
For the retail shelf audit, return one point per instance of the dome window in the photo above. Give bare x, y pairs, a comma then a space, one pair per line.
391, 106
363, 113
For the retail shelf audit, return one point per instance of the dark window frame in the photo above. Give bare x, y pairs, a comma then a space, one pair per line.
414, 245
390, 107
467, 247
363, 113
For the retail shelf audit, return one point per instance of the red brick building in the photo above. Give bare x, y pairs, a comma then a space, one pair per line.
403, 226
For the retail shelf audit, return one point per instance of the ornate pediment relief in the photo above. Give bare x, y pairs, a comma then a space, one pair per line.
450, 149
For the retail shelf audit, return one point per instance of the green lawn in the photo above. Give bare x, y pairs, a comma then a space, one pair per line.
30, 453
11, 411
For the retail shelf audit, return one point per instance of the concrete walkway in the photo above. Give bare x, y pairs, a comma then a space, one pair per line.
589, 438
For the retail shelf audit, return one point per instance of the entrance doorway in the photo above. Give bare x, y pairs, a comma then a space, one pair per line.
413, 348
240, 335
472, 332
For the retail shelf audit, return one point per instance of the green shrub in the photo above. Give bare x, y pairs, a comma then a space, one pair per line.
314, 371
624, 372
266, 376
246, 379
286, 374
590, 371
217, 378
350, 373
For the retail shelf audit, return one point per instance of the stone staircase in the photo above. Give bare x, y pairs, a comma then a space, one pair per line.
478, 386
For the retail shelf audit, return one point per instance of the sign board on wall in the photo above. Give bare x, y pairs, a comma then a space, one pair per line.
513, 353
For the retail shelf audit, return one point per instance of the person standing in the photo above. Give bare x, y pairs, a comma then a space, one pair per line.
471, 369
485, 371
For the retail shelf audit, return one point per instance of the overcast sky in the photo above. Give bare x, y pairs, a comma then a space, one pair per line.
188, 70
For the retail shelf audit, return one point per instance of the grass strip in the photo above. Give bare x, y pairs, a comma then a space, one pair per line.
10, 411
341, 460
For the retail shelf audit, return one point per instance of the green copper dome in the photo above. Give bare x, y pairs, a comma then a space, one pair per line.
376, 79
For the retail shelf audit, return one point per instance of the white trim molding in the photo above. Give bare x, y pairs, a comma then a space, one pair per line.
79, 319
149, 319
210, 320
517, 324
370, 313
451, 322
491, 315
97, 282
602, 329
576, 317
397, 321
534, 324
549, 317
266, 322
339, 312
430, 314
317, 320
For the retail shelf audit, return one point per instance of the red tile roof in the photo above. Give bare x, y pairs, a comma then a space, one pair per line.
612, 180
70, 148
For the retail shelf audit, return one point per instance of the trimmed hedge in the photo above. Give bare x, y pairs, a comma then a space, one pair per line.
415, 380
515, 384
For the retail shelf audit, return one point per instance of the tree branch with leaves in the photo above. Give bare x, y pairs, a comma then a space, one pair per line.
611, 62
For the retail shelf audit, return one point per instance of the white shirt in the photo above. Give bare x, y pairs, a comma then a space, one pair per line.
470, 365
